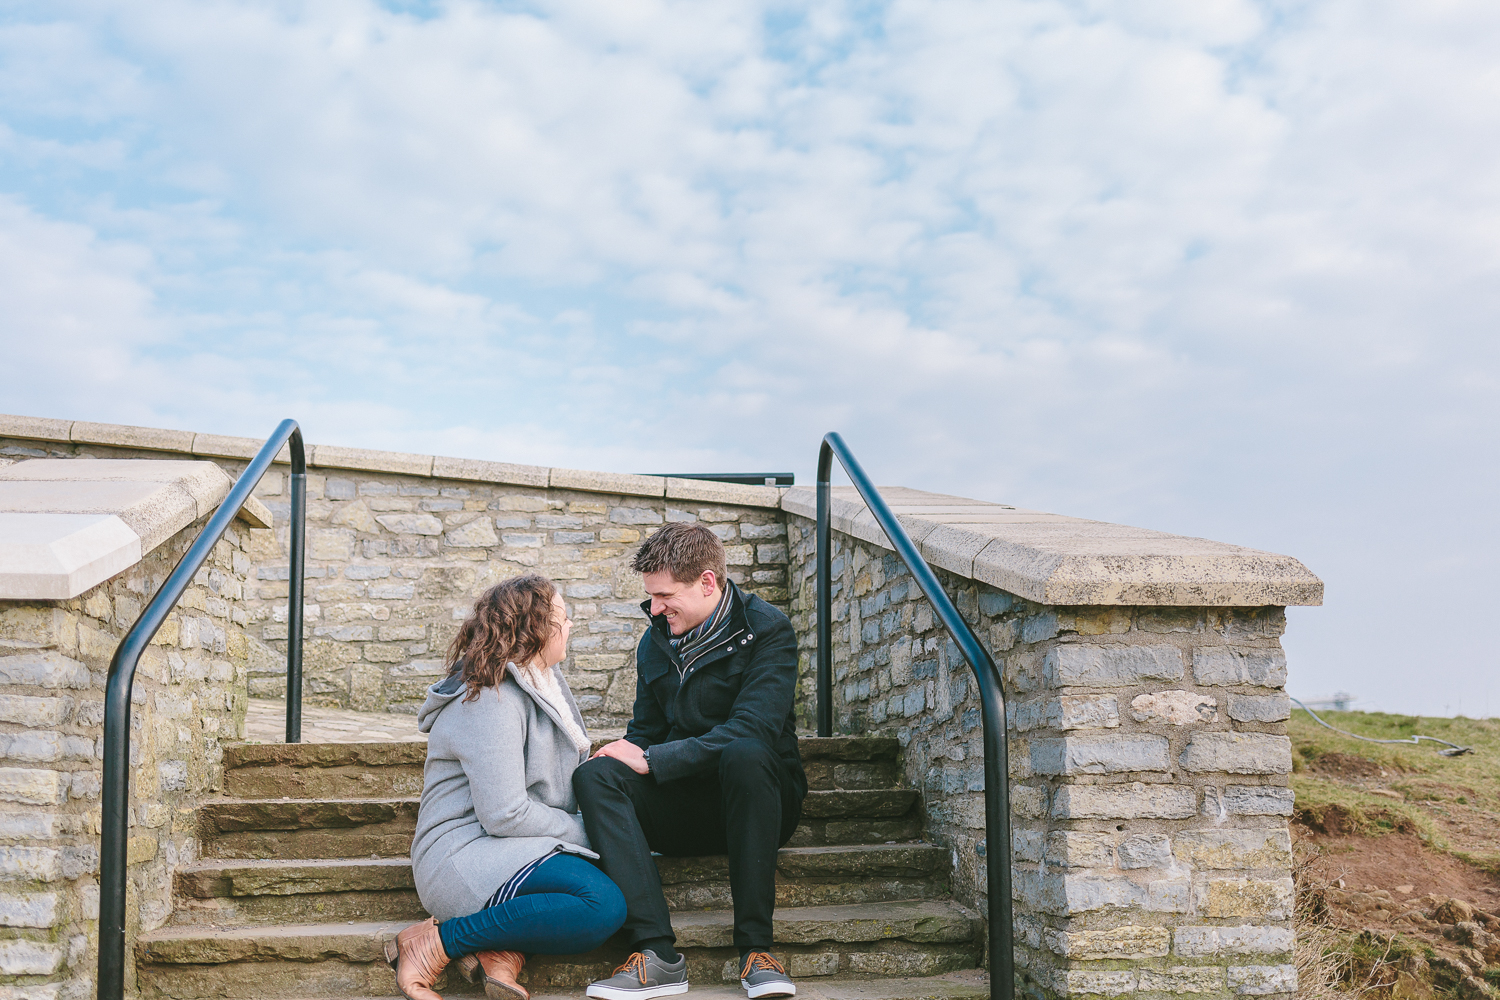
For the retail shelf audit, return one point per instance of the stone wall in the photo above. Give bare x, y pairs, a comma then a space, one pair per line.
1149, 766
189, 695
394, 564
398, 547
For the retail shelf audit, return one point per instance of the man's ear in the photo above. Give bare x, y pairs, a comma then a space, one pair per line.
708, 581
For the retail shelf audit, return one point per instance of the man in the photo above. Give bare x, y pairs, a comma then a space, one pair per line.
708, 765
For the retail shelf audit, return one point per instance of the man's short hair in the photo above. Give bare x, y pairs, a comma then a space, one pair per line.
685, 550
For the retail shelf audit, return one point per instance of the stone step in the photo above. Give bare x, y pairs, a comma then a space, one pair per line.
343, 828
324, 770
237, 755
971, 984
233, 892
393, 770
316, 960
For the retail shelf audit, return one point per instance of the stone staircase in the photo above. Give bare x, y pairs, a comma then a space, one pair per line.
305, 873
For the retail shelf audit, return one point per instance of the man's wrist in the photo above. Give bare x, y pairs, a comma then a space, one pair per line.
646, 756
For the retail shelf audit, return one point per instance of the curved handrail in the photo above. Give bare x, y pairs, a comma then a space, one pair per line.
114, 824
991, 696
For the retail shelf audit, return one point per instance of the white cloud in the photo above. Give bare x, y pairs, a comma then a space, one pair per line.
1219, 267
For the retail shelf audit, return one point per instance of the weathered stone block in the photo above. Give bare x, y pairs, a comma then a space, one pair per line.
1146, 850
44, 669
478, 533
1257, 899
1026, 845
1087, 982
33, 786
1111, 666
1260, 980
30, 958
1258, 800
1259, 708
1226, 665
28, 909
1080, 849
411, 524
1135, 801
1207, 942
1182, 979
40, 863
1128, 942
1176, 708
35, 712
1234, 848
330, 544
1238, 753
1029, 801
1099, 754
1086, 711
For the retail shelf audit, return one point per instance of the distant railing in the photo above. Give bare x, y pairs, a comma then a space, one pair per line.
991, 697
738, 478
115, 824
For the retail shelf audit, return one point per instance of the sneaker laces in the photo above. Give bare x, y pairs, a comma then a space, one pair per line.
635, 963
760, 961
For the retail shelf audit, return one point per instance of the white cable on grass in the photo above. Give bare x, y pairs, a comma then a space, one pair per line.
1457, 750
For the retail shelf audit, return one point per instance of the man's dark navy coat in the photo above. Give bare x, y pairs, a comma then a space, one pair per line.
744, 687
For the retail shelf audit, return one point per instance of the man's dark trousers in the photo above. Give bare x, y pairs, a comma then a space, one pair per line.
747, 808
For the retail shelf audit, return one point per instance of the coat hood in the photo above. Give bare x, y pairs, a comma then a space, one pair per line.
439, 696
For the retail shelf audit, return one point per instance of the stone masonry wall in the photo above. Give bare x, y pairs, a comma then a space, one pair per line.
394, 562
189, 694
1149, 767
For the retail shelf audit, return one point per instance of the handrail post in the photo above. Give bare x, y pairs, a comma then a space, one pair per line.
986, 676
297, 549
114, 804
824, 678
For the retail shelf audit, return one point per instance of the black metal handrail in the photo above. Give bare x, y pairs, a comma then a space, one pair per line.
116, 792
991, 695
738, 478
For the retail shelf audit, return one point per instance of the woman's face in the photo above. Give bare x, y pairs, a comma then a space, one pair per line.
557, 646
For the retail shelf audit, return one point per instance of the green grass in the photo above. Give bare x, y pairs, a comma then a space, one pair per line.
1427, 779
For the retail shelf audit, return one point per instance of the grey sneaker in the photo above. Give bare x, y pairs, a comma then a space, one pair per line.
764, 976
642, 977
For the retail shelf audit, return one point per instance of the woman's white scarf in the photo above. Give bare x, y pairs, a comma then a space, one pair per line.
544, 680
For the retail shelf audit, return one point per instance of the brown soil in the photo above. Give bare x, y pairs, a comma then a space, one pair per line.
1343, 765
1395, 859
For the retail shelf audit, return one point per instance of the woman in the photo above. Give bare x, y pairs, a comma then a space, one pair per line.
500, 857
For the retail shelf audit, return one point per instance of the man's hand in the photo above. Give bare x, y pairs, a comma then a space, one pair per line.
626, 753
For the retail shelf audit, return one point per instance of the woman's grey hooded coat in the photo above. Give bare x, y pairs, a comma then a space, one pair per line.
497, 790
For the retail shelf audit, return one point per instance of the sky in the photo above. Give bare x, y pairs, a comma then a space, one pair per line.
1216, 267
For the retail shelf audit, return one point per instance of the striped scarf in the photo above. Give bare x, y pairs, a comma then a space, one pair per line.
698, 640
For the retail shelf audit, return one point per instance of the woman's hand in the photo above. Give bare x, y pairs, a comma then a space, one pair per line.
626, 753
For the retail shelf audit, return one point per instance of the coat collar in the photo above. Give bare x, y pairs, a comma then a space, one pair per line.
661, 633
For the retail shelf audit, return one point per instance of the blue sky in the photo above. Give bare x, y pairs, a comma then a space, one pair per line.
1217, 267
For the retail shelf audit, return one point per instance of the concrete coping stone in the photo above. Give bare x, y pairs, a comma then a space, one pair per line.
1059, 560
401, 463
67, 525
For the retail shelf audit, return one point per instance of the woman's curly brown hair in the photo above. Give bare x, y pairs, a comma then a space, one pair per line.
511, 623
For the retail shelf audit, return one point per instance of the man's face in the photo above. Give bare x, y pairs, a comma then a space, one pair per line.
686, 605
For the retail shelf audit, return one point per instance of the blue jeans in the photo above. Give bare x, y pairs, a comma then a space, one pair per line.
565, 907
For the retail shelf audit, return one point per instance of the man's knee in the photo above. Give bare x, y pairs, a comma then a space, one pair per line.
747, 759
598, 775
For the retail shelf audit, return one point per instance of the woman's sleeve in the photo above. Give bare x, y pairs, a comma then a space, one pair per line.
495, 763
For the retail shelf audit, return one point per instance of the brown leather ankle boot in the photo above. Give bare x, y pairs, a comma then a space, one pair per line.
417, 956
498, 971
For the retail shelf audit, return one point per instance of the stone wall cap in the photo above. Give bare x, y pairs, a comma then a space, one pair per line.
1060, 560
70, 524
401, 463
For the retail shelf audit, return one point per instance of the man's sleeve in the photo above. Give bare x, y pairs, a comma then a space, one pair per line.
759, 711
648, 723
